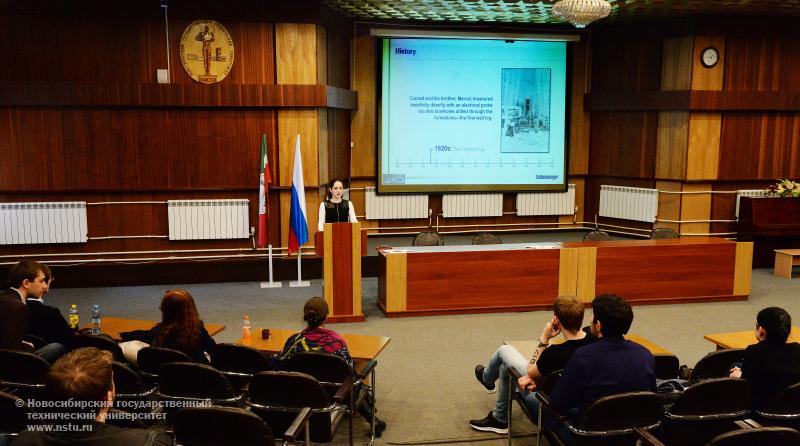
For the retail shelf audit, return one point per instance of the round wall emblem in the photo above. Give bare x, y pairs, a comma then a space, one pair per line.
206, 51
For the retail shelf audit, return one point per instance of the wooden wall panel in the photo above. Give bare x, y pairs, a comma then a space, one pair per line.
339, 62
770, 142
338, 133
364, 120
702, 158
622, 63
695, 207
578, 118
304, 122
296, 53
672, 145
623, 144
676, 67
708, 78
669, 205
762, 63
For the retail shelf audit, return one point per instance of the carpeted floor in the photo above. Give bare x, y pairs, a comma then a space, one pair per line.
425, 384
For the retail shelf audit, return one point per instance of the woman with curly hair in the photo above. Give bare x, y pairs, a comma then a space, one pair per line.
181, 327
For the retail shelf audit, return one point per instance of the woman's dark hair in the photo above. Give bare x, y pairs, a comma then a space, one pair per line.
776, 322
614, 313
330, 186
315, 311
179, 318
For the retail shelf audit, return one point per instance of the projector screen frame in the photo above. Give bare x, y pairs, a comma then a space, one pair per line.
383, 34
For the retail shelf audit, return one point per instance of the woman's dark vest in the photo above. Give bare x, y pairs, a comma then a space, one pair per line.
337, 212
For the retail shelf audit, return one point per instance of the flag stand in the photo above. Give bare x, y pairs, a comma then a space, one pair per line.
300, 282
271, 284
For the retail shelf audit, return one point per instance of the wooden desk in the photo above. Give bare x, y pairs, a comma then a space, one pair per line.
363, 348
113, 326
527, 347
785, 259
741, 339
429, 280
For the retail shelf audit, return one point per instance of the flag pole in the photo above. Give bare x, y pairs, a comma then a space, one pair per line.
263, 204
270, 284
300, 282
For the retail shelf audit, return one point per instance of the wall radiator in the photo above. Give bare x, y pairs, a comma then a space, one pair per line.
629, 203
208, 219
748, 193
388, 207
472, 205
43, 222
546, 203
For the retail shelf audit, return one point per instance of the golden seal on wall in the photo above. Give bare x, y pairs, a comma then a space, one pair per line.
206, 51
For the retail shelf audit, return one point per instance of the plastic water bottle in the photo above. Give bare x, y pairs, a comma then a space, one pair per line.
73, 317
246, 327
95, 319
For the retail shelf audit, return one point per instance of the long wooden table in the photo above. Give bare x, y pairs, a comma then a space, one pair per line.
742, 339
426, 280
363, 348
113, 326
526, 347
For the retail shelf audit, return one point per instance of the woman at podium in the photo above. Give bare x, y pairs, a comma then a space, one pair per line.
335, 209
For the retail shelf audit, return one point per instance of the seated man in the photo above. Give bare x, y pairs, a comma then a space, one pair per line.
84, 378
772, 364
547, 358
25, 279
46, 321
607, 366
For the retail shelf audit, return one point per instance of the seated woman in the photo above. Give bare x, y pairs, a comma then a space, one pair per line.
316, 338
772, 364
335, 209
181, 327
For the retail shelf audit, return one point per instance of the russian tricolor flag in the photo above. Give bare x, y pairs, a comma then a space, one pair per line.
298, 224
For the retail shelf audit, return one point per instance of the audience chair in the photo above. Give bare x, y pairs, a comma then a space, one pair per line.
783, 410
212, 426
189, 381
103, 342
667, 366
762, 436
611, 420
238, 363
663, 234
22, 373
335, 374
706, 410
715, 364
129, 387
546, 385
150, 359
123, 419
35, 340
13, 415
277, 397
428, 239
486, 239
596, 236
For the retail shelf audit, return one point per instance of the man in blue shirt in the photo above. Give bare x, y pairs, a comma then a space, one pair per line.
608, 366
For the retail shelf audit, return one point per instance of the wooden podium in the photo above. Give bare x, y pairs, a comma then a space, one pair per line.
341, 246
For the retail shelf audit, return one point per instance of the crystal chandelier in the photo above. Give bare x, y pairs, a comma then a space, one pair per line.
581, 12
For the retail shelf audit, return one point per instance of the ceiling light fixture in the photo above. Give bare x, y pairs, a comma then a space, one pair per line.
581, 12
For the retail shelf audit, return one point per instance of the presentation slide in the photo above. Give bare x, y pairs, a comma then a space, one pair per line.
472, 115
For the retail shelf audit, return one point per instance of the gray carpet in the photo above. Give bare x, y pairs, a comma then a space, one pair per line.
425, 384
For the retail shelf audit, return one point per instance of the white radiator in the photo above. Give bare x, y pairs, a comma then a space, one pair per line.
43, 222
387, 207
472, 205
629, 203
546, 203
208, 219
748, 193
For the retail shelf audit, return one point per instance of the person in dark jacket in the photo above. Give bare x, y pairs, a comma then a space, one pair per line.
46, 321
181, 327
772, 364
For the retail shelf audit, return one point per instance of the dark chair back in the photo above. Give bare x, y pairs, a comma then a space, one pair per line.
189, 380
22, 371
330, 370
715, 364
667, 366
428, 239
13, 414
783, 410
663, 234
596, 236
277, 397
622, 412
238, 362
763, 436
486, 239
211, 426
35, 340
150, 359
705, 410
123, 419
103, 342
